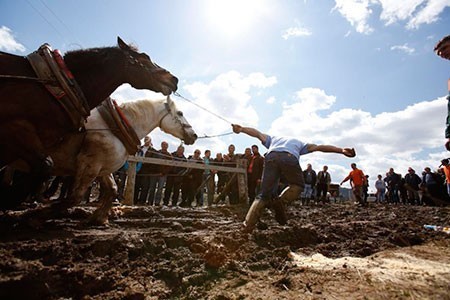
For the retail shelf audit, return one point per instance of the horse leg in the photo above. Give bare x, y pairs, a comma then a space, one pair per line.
25, 144
83, 178
108, 192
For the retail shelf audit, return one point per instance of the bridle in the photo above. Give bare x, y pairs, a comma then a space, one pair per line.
176, 118
133, 61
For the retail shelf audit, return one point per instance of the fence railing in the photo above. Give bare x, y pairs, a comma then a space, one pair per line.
240, 170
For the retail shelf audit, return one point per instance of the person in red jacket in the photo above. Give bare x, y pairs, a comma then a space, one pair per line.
358, 179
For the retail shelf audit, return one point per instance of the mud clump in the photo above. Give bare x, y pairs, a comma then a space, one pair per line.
177, 253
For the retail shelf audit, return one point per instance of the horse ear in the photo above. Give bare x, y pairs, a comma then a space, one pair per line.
122, 44
169, 100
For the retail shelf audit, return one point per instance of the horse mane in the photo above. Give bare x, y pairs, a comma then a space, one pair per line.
136, 108
90, 57
89, 50
77, 52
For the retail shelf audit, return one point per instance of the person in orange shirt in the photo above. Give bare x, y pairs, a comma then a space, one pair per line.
358, 179
445, 164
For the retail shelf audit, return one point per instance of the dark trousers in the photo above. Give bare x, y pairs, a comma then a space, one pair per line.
280, 165
145, 187
322, 190
252, 186
173, 186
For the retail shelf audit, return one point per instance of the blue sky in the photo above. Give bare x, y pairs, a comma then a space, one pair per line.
358, 73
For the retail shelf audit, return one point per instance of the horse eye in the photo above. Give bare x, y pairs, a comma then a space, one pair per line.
180, 113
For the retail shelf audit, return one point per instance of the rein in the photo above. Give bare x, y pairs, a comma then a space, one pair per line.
199, 106
14, 77
205, 136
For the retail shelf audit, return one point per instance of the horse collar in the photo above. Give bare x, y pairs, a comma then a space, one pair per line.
49, 66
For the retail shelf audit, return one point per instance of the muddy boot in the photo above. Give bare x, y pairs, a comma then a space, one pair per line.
280, 211
253, 215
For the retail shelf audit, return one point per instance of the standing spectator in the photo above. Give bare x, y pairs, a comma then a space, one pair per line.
247, 155
254, 171
221, 175
121, 179
163, 153
174, 179
393, 182
310, 177
380, 185
323, 182
442, 49
208, 178
145, 178
447, 127
282, 160
445, 164
412, 185
431, 183
357, 181
366, 189
402, 190
191, 182
230, 160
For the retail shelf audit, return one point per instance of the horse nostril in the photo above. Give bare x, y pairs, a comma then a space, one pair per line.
195, 136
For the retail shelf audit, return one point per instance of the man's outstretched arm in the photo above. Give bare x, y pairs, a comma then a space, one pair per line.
349, 152
250, 131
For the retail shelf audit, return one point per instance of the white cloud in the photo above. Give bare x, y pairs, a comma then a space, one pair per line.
414, 12
7, 41
428, 14
271, 100
227, 96
412, 137
296, 32
394, 10
126, 93
357, 12
404, 48
390, 139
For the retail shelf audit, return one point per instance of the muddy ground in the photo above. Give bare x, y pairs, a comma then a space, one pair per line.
336, 251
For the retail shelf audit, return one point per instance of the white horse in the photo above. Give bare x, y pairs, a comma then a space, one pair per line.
97, 153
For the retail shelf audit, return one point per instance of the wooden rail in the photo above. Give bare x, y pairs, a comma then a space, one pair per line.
240, 170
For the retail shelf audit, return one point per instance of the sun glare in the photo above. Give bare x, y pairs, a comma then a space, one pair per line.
233, 17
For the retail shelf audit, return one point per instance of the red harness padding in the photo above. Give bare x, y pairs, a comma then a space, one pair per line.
62, 65
121, 114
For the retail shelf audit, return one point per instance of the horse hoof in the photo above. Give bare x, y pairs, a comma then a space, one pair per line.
97, 221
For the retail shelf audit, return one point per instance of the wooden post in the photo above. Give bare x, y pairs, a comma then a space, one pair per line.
131, 180
226, 189
242, 181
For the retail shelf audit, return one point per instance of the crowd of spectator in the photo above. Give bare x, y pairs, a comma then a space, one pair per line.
429, 188
185, 187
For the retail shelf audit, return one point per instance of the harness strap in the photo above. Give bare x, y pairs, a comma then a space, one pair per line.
116, 119
57, 79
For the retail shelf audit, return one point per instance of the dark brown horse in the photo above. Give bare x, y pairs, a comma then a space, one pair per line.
31, 119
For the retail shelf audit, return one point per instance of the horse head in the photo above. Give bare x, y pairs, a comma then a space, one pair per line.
143, 73
174, 123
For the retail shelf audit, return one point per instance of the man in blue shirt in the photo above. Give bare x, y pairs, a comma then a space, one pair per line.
442, 49
282, 159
